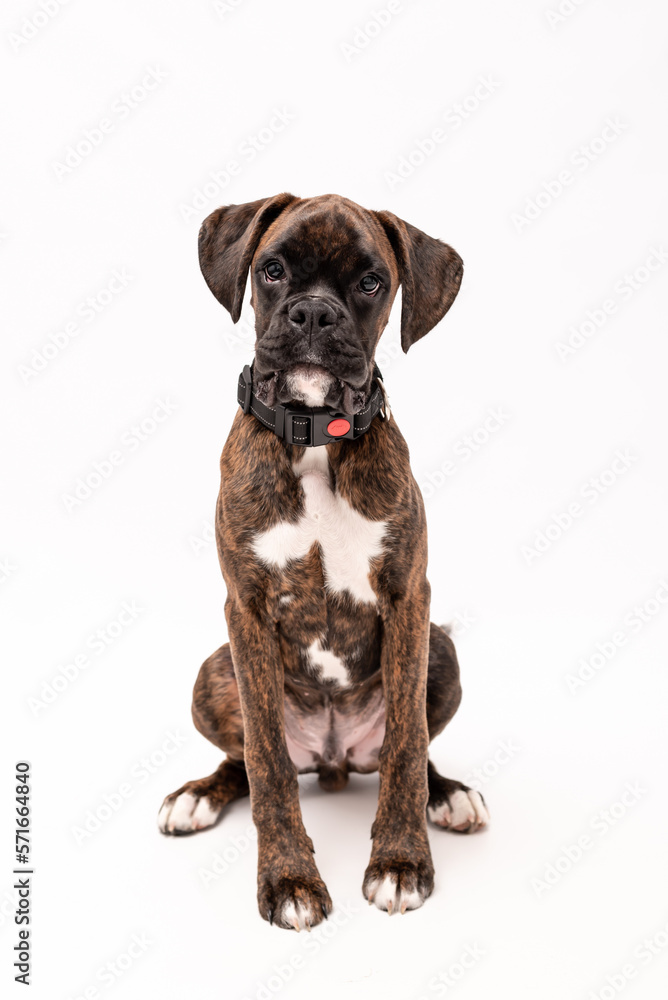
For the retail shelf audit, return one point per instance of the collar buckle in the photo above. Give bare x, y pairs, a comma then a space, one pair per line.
323, 418
310, 427
385, 411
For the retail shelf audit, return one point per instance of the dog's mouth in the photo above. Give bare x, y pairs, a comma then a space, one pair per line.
309, 384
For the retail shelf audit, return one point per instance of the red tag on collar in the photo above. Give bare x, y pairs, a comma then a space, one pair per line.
338, 427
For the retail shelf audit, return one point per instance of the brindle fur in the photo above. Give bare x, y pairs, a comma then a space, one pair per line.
244, 690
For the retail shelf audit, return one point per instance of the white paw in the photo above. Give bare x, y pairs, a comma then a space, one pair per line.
386, 895
465, 812
186, 813
298, 915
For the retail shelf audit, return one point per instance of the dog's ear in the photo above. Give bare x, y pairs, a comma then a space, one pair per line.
227, 241
430, 273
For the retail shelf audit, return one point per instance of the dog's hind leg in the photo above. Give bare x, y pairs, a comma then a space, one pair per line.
452, 805
199, 804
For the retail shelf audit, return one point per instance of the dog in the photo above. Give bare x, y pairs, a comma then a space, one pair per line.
333, 665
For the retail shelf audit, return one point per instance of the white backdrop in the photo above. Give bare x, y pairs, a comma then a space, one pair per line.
531, 136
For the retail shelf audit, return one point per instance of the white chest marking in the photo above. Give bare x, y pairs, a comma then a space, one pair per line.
348, 541
331, 665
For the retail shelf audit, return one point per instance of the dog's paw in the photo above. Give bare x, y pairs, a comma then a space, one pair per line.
398, 886
182, 813
294, 902
462, 810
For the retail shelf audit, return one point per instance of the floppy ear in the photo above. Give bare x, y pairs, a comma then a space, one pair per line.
430, 273
227, 241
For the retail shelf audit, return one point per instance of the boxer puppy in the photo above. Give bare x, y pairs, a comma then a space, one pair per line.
332, 664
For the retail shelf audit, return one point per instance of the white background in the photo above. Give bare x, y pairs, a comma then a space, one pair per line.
526, 621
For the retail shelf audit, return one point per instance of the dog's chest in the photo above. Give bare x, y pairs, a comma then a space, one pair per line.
323, 562
347, 541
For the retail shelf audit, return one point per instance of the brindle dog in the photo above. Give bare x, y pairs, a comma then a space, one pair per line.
332, 664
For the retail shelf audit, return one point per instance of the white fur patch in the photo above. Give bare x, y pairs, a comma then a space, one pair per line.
465, 812
309, 384
186, 813
331, 666
297, 915
314, 460
386, 895
440, 815
204, 815
348, 541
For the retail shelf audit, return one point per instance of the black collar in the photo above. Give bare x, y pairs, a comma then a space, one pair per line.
311, 426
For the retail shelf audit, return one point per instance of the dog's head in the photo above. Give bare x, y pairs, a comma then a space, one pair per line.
324, 275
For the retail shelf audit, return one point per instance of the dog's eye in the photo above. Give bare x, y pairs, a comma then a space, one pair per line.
370, 284
274, 271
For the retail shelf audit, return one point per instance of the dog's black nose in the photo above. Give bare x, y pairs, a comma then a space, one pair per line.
310, 315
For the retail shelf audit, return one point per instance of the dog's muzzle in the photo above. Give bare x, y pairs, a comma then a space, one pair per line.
311, 349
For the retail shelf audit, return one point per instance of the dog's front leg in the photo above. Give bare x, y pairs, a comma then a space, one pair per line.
291, 893
400, 875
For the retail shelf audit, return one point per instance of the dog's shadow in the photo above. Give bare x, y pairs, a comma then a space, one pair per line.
340, 822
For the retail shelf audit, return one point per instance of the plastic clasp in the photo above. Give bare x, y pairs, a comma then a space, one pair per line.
311, 424
322, 418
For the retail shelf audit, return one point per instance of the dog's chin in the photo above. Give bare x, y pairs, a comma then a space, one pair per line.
310, 385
